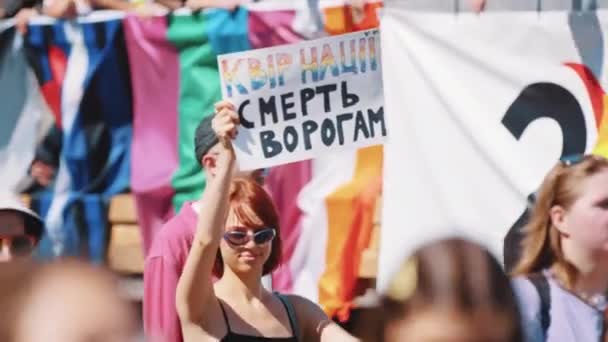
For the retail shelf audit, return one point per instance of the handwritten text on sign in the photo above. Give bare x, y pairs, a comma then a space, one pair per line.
298, 101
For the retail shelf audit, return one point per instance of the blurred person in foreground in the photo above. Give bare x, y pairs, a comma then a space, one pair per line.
16, 279
67, 301
451, 290
238, 240
561, 278
20, 229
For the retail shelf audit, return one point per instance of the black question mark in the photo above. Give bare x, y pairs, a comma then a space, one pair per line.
536, 101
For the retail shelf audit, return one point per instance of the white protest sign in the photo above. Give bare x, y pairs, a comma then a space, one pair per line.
298, 101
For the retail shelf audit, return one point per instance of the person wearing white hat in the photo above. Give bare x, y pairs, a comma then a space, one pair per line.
20, 228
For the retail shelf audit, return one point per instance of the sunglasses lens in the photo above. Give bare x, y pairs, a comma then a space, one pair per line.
21, 245
263, 236
236, 237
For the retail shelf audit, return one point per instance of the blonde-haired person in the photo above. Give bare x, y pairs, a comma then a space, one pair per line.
449, 290
561, 278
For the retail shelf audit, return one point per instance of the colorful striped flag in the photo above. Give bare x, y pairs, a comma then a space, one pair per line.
83, 72
174, 56
160, 77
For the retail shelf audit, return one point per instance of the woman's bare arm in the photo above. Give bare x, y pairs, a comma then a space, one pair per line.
195, 286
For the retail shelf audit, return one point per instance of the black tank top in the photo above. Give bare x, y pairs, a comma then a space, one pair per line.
293, 323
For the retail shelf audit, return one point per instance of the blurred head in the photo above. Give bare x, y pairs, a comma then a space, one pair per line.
252, 240
76, 302
20, 229
451, 290
206, 147
16, 281
570, 217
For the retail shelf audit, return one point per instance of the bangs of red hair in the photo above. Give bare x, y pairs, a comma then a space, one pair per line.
254, 209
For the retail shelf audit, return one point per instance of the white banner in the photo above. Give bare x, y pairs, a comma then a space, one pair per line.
299, 101
481, 107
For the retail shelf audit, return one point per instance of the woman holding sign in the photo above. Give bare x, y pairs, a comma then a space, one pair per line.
238, 240
563, 271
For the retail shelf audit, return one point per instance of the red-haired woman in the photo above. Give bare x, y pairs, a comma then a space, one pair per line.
238, 240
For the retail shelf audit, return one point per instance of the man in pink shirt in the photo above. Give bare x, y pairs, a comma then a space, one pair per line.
167, 256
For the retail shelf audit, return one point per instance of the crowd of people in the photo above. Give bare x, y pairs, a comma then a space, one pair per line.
203, 278
24, 10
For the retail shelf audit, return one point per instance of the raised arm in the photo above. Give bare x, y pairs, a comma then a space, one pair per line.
195, 287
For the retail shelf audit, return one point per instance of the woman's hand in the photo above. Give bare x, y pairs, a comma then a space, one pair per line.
22, 18
225, 125
225, 122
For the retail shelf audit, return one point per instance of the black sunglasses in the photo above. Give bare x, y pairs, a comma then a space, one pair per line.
18, 245
240, 237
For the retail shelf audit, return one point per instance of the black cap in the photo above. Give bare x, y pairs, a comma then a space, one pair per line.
204, 138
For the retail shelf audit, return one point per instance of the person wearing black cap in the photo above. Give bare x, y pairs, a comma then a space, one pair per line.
20, 229
165, 260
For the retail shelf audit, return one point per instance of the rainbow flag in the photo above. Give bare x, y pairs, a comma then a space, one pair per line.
126, 94
175, 84
176, 56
